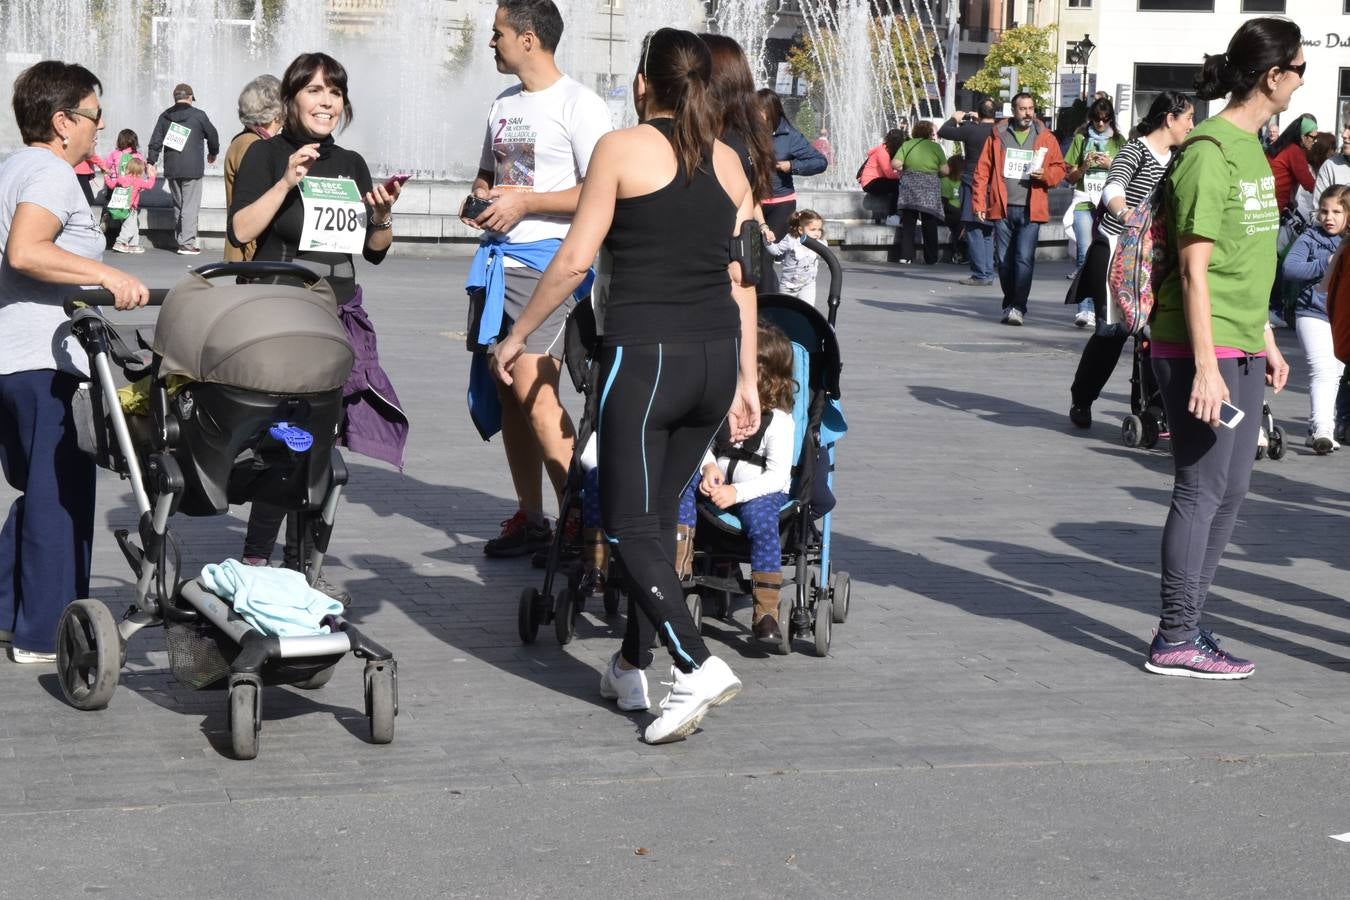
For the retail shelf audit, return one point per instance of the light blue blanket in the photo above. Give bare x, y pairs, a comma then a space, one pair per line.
277, 602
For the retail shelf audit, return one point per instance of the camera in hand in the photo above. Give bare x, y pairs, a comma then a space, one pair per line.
474, 206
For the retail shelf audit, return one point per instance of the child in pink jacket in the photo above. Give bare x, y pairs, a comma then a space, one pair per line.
126, 174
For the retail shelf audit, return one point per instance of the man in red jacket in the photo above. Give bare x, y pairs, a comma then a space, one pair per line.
1019, 164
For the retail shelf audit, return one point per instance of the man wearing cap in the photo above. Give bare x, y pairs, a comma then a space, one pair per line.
180, 133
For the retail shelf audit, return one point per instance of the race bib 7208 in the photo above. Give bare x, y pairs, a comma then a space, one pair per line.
335, 215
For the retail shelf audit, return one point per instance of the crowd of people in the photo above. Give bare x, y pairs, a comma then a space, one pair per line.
684, 353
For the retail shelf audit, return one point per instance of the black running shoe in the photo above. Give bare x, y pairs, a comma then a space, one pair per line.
518, 537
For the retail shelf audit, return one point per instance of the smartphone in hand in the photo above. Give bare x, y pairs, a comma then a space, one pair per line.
474, 207
1229, 415
399, 180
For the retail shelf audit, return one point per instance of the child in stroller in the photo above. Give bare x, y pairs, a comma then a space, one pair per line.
245, 400
752, 478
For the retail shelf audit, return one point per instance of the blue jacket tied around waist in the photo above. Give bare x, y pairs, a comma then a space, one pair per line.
487, 273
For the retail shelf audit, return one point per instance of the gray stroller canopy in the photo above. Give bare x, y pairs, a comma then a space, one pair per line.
278, 338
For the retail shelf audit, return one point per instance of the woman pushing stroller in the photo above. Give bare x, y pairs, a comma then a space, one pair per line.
679, 354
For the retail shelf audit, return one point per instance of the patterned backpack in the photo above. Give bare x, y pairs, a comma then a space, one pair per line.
1143, 255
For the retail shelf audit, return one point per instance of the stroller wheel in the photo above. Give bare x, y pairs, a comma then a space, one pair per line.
695, 604
527, 622
88, 654
612, 597
1132, 431
785, 622
1277, 446
564, 615
719, 605
381, 701
823, 628
840, 590
245, 719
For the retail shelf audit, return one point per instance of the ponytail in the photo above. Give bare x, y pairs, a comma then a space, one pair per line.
799, 220
1256, 47
678, 70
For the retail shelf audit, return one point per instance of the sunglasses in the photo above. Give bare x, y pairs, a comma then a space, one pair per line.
94, 115
1296, 69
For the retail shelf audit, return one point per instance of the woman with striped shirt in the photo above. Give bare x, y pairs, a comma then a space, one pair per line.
1135, 173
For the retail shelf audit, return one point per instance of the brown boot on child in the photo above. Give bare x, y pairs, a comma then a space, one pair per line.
766, 587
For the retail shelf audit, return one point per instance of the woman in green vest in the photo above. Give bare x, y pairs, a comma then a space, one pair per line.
1095, 144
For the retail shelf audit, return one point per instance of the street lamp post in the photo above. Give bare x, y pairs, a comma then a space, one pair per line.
1078, 55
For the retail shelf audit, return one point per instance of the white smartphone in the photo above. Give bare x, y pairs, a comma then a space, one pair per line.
1229, 415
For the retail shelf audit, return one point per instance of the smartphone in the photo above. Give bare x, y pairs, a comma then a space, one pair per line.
1229, 415
399, 180
474, 207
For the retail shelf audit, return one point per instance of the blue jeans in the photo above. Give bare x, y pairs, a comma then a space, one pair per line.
979, 240
1015, 238
1082, 236
46, 541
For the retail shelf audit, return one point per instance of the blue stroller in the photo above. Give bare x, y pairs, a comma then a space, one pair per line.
814, 597
245, 398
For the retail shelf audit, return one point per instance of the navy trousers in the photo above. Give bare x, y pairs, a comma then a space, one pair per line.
46, 541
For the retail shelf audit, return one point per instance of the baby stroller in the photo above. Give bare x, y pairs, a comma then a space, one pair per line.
813, 596
541, 606
245, 399
1147, 421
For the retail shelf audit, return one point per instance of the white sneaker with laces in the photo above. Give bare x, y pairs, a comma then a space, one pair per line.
690, 697
628, 686
29, 657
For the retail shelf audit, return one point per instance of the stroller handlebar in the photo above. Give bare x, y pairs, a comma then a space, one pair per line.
259, 269
836, 274
105, 298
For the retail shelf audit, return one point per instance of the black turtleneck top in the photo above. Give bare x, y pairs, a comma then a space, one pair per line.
263, 165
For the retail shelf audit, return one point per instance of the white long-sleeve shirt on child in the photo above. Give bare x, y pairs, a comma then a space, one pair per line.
800, 263
750, 480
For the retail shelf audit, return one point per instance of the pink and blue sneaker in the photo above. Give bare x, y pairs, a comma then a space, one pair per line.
1200, 657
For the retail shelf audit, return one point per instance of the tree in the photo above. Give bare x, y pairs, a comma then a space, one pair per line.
1028, 48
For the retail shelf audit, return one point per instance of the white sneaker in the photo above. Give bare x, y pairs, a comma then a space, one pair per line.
628, 686
1085, 319
690, 697
1321, 443
28, 657
1012, 316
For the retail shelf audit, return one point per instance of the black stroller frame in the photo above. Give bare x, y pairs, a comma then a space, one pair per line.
209, 644
813, 598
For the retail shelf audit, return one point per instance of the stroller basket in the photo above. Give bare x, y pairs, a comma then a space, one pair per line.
195, 656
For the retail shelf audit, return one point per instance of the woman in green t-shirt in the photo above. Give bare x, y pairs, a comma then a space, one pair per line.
1095, 144
921, 162
1211, 342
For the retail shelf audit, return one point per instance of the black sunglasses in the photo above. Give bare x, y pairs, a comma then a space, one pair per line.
1296, 69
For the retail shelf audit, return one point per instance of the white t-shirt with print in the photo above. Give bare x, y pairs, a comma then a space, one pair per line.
34, 329
542, 141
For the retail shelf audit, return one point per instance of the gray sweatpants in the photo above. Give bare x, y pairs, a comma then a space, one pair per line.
187, 204
1213, 469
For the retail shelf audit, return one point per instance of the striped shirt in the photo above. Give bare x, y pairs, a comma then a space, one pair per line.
1135, 171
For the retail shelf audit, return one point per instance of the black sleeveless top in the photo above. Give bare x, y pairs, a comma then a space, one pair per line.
669, 281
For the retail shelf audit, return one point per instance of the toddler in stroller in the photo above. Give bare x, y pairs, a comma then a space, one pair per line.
245, 398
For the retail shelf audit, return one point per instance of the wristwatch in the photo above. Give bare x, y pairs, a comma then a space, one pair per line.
383, 226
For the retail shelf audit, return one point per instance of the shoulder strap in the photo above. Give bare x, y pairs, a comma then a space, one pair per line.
748, 451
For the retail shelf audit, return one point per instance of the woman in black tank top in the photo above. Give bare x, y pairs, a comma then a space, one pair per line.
678, 355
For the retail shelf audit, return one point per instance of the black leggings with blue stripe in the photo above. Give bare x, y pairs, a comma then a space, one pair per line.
660, 406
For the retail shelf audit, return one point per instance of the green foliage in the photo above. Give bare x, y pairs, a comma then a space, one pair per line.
1028, 48
807, 120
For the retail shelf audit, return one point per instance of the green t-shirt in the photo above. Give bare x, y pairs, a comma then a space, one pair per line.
920, 155
951, 190
1094, 179
1225, 194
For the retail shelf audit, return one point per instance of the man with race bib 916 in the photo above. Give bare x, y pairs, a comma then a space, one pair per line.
1019, 164
540, 135
180, 133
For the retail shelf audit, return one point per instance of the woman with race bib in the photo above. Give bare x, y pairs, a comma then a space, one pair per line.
1213, 350
302, 197
1095, 144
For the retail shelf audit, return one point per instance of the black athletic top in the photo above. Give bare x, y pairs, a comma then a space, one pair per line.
263, 165
670, 256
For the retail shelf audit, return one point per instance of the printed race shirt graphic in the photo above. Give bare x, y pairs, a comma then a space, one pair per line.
1260, 212
513, 142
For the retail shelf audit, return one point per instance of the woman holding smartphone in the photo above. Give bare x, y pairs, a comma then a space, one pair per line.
1213, 349
302, 197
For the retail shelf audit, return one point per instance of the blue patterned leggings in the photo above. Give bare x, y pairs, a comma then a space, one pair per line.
760, 517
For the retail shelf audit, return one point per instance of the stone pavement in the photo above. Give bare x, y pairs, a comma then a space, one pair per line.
982, 724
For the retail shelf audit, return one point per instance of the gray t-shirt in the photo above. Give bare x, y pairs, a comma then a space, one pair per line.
34, 329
